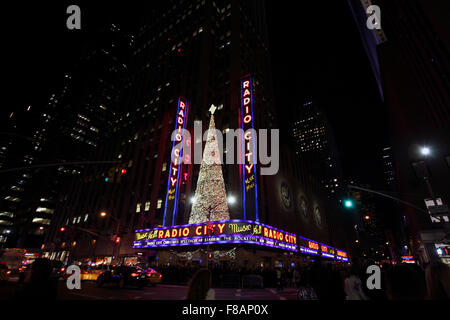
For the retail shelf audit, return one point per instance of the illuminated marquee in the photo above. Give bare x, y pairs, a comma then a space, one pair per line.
341, 255
175, 169
308, 246
248, 152
221, 232
327, 252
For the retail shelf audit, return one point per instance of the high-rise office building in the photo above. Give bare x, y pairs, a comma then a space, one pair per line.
56, 138
388, 167
315, 146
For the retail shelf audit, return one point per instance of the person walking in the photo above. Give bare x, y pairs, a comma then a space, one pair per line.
353, 285
38, 283
200, 286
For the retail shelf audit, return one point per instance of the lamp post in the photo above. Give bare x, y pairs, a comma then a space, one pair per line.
117, 240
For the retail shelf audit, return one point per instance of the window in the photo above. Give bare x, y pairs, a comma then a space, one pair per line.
147, 206
159, 204
41, 221
164, 167
45, 210
138, 208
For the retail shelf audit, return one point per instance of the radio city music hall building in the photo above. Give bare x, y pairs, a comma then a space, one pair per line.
192, 55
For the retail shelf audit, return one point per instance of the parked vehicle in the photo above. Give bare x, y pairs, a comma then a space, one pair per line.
123, 276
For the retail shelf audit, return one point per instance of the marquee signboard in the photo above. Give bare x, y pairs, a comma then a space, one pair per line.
221, 232
233, 231
327, 251
308, 246
176, 168
248, 152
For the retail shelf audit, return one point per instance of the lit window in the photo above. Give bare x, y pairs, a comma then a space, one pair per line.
138, 207
159, 204
164, 167
45, 210
147, 206
41, 221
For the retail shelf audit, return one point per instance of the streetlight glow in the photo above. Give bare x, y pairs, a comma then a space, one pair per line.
193, 200
231, 200
103, 214
426, 151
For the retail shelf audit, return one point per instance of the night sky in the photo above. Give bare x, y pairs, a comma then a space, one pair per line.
316, 51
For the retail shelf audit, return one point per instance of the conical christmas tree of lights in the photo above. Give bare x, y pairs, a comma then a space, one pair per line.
210, 196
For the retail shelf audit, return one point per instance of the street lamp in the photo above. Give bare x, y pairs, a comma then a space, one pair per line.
231, 200
117, 241
425, 151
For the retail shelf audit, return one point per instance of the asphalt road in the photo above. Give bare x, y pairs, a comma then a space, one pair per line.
89, 291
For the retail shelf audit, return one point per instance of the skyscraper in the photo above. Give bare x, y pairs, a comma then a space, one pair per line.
315, 146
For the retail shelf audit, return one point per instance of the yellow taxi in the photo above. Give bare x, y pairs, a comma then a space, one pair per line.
153, 276
91, 273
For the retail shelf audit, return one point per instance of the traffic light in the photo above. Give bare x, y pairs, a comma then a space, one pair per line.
348, 203
117, 240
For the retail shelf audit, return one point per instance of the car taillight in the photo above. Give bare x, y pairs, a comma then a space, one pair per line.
134, 274
149, 274
8, 272
62, 269
160, 276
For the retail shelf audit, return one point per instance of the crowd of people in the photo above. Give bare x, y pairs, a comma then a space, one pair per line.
327, 281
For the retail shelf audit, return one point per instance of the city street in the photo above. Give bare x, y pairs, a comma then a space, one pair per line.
89, 291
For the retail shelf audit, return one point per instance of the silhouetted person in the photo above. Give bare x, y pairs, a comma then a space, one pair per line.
438, 281
200, 286
405, 282
38, 283
353, 285
336, 291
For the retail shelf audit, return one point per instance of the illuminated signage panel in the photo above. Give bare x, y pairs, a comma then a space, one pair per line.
327, 251
221, 232
341, 255
248, 152
175, 174
308, 246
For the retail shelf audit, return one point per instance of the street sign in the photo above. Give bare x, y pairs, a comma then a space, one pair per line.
436, 208
439, 210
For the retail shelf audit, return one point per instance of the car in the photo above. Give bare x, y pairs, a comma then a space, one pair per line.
123, 276
4, 273
89, 273
154, 277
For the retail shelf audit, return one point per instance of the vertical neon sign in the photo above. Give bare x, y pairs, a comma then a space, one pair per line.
248, 151
173, 182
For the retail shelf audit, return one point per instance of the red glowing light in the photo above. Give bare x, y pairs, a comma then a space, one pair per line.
124, 171
62, 229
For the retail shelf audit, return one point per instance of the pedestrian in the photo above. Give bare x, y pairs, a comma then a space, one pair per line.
200, 286
405, 282
438, 281
353, 286
296, 278
38, 283
279, 276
